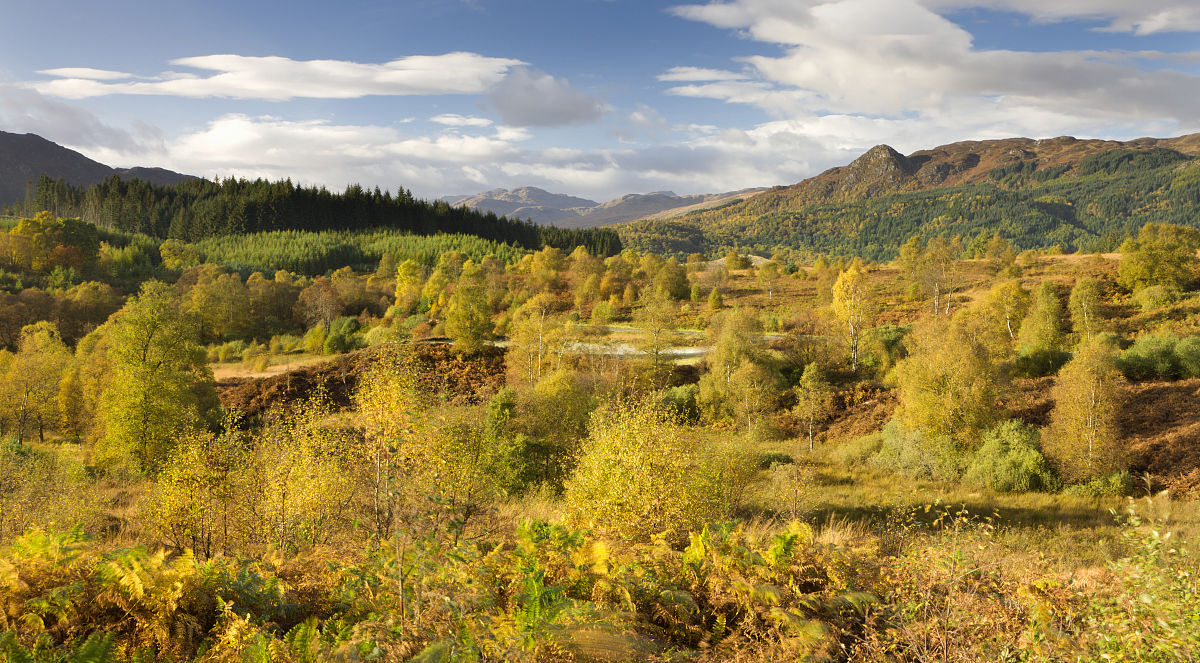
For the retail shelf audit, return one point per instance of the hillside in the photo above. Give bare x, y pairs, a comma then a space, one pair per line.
1076, 193
543, 207
26, 157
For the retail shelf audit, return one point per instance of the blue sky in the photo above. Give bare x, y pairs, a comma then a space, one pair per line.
595, 98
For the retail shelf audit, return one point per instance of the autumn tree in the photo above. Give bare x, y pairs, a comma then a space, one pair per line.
1041, 330
639, 475
732, 334
220, 301
768, 276
160, 384
318, 303
1083, 439
536, 338
468, 316
813, 393
1010, 303
948, 385
30, 384
410, 280
1084, 305
671, 280
655, 316
1162, 254
853, 304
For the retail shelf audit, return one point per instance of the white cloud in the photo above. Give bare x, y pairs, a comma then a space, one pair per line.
455, 120
536, 99
86, 73
693, 74
279, 78
899, 58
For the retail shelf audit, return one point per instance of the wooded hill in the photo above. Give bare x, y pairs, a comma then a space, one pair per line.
1079, 194
199, 209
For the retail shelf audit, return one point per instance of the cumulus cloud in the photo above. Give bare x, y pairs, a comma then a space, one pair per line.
900, 58
278, 78
530, 98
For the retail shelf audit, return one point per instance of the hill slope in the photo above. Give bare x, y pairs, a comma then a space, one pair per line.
1077, 193
25, 157
541, 206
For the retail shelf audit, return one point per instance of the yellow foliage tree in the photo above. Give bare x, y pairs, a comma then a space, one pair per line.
1083, 439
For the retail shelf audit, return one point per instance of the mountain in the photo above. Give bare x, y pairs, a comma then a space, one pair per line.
25, 157
570, 212
1072, 192
526, 202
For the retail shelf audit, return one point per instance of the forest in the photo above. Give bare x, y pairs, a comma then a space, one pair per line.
380, 444
199, 209
1090, 206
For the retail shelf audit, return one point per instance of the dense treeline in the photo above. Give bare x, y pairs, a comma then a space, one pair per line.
198, 209
1090, 207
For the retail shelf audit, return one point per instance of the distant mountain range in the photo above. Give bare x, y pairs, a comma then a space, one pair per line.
26, 157
541, 206
1077, 193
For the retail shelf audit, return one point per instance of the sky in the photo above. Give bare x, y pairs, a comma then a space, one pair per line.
594, 98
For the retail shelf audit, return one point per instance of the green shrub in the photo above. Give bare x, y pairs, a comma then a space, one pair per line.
682, 402
314, 339
920, 456
1039, 363
859, 451
1187, 353
1151, 357
1009, 460
336, 343
1154, 296
1109, 485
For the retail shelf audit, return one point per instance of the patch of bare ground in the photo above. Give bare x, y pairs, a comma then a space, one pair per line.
861, 419
457, 379
1161, 421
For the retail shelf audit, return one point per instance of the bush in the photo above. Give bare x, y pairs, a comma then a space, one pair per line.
1039, 363
918, 455
639, 475
1010, 461
859, 451
682, 402
336, 343
1187, 352
314, 339
772, 458
1109, 485
1151, 357
1154, 296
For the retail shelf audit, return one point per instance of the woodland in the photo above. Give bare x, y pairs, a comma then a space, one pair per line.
348, 436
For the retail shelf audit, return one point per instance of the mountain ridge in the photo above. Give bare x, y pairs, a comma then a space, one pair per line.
541, 206
1071, 192
26, 157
